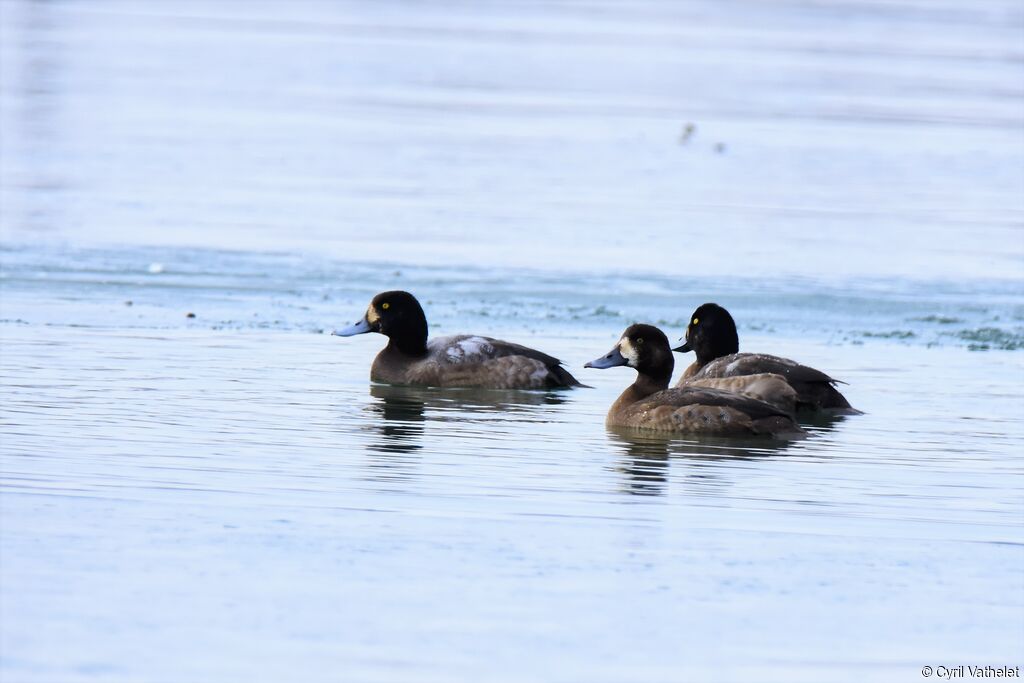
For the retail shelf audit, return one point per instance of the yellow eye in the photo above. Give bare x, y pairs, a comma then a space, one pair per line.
385, 306
695, 321
639, 340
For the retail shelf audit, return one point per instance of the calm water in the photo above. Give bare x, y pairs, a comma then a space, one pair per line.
225, 497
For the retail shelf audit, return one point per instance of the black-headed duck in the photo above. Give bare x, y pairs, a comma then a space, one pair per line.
458, 361
712, 335
649, 404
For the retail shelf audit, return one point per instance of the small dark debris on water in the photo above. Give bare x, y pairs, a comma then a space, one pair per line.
893, 334
688, 130
986, 338
190, 315
128, 302
940, 319
719, 148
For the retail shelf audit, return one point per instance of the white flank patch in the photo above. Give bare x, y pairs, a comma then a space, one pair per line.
475, 346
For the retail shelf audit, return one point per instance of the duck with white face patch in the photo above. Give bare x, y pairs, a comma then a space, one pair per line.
649, 404
465, 360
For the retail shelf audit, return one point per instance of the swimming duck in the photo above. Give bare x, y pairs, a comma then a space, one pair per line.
712, 335
459, 361
649, 404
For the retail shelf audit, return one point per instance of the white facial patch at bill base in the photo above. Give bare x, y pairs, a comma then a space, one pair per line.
629, 352
371, 315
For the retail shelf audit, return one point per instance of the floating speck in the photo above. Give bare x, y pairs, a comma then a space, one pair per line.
156, 268
719, 148
190, 315
688, 130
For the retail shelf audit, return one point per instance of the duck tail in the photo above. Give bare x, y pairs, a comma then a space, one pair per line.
561, 378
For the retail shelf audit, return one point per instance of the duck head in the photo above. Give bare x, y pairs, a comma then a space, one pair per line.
711, 334
644, 348
398, 316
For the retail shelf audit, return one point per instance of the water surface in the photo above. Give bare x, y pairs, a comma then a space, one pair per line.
198, 483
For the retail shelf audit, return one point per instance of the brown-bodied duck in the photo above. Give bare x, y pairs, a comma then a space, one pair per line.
649, 404
458, 361
711, 334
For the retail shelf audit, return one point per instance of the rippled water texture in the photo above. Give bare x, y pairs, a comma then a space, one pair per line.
199, 484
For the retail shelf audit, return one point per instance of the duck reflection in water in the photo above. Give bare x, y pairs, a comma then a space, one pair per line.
403, 410
646, 455
645, 464
402, 414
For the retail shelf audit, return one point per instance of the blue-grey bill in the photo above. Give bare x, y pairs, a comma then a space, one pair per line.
610, 360
361, 327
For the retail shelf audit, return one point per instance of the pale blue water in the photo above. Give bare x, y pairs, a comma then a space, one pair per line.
225, 497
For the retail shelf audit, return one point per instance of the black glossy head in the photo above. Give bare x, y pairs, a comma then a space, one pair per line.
398, 316
711, 334
642, 347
